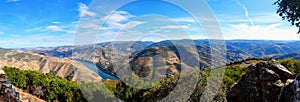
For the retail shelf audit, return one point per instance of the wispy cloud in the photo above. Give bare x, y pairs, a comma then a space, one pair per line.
1, 33
56, 22
133, 24
268, 32
155, 31
84, 10
116, 18
39, 41
33, 29
55, 28
246, 11
105, 25
175, 27
256, 18
12, 0
183, 19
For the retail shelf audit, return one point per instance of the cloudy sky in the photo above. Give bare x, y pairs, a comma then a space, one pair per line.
40, 23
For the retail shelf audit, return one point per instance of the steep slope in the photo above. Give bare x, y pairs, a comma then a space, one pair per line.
292, 55
155, 63
252, 48
203, 48
107, 55
66, 68
164, 60
264, 48
89, 52
26, 97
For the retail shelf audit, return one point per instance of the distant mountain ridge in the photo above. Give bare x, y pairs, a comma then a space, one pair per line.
241, 48
110, 56
295, 56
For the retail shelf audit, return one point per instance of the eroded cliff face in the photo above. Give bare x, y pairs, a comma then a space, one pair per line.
62, 67
262, 82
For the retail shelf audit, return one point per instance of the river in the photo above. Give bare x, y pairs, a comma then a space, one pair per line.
95, 69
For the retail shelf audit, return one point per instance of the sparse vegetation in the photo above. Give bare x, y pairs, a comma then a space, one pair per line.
53, 88
232, 75
291, 64
45, 86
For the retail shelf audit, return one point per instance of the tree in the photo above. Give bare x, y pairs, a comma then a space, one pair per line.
289, 10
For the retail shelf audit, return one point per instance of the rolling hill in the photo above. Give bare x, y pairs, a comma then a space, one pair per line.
45, 64
112, 57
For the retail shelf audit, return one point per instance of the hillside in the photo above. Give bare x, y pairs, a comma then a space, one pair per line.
236, 49
248, 80
66, 68
159, 60
291, 55
44, 86
24, 96
237, 76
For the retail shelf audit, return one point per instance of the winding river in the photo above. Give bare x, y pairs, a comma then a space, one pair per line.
95, 69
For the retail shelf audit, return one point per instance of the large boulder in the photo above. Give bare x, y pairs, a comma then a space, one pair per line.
287, 93
291, 92
262, 82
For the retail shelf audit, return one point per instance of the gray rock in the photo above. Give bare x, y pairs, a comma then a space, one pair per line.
261, 83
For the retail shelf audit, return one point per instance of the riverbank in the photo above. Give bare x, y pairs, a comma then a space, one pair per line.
99, 71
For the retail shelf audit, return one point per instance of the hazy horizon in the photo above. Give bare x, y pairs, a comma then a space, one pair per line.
151, 41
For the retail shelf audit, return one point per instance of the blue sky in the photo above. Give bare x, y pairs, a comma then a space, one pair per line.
40, 23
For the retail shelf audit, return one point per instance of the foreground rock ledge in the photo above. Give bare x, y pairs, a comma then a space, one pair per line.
262, 82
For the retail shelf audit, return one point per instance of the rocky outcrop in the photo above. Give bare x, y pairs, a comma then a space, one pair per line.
287, 92
262, 82
27, 97
10, 93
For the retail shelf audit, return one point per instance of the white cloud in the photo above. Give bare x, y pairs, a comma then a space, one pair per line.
1, 33
90, 26
133, 24
33, 29
265, 18
155, 31
184, 19
270, 32
67, 28
39, 41
174, 27
12, 0
56, 22
84, 10
116, 18
246, 11
55, 28
193, 20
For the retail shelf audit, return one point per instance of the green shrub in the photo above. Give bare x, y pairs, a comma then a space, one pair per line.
291, 64
45, 86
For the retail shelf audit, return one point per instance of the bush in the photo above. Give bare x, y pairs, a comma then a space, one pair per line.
232, 75
291, 64
45, 86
